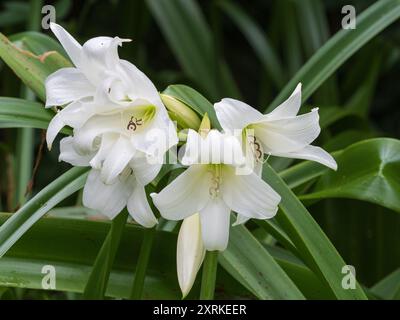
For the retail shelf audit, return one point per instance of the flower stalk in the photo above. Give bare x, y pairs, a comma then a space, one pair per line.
209, 275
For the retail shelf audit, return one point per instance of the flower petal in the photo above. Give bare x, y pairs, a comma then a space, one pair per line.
140, 86
289, 108
215, 223
73, 115
107, 142
118, 158
312, 153
66, 85
71, 46
145, 168
108, 199
100, 56
184, 196
139, 208
289, 134
234, 114
68, 153
240, 219
189, 252
249, 195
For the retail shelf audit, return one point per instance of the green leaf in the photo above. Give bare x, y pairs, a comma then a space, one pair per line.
368, 170
14, 228
312, 244
259, 42
16, 112
20, 113
98, 279
341, 47
71, 246
251, 264
190, 38
389, 287
30, 68
36, 42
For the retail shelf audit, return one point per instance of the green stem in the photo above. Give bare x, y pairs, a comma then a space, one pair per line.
209, 275
143, 261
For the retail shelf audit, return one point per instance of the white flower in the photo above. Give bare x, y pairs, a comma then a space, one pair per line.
126, 189
104, 94
211, 187
280, 133
189, 252
120, 126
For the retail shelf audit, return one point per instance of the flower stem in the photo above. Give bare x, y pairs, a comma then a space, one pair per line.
143, 261
209, 275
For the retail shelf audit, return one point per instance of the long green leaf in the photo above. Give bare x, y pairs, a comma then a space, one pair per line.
14, 228
30, 68
341, 47
254, 267
259, 42
312, 244
72, 246
98, 279
21, 113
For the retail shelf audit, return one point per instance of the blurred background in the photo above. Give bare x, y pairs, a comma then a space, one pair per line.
247, 50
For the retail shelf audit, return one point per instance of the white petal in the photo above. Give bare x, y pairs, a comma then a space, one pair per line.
312, 153
108, 199
216, 148
215, 223
240, 219
139, 208
289, 134
73, 115
55, 126
116, 161
96, 126
145, 168
184, 196
290, 107
68, 153
233, 114
66, 85
101, 57
71, 46
159, 136
107, 142
140, 86
189, 252
249, 195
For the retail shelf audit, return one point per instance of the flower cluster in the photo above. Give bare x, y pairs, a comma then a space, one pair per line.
122, 131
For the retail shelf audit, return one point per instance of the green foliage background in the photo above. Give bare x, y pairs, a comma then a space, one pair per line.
253, 50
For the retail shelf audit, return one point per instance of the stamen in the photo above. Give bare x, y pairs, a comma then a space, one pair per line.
256, 148
133, 124
214, 190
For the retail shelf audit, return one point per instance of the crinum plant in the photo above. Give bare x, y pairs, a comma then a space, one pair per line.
173, 178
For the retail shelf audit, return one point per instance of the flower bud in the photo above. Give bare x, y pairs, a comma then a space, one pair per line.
190, 252
180, 112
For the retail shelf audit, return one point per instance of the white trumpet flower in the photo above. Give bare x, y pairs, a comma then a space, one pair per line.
125, 190
104, 94
190, 252
120, 125
212, 188
280, 133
